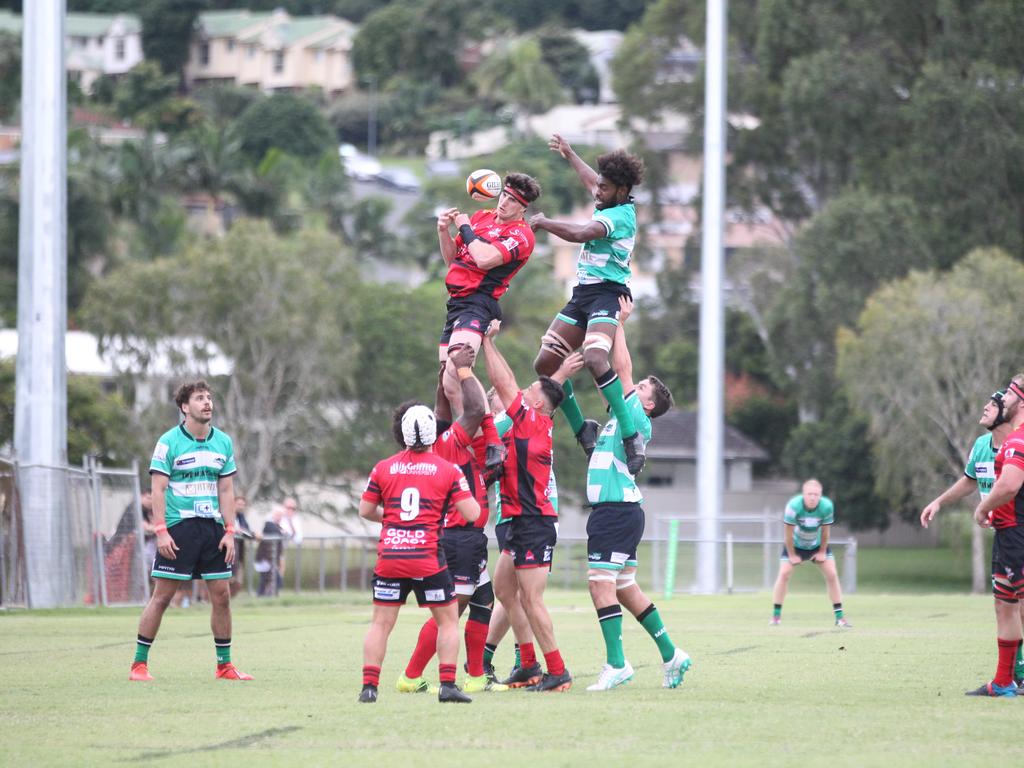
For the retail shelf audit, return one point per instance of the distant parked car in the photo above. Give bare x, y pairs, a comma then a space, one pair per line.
444, 167
399, 178
357, 165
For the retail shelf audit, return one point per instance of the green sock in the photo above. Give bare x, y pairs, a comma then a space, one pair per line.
610, 619
837, 609
650, 620
611, 388
571, 408
1020, 654
142, 646
777, 611
223, 646
519, 659
489, 651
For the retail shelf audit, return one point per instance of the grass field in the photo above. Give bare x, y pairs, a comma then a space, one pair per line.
888, 692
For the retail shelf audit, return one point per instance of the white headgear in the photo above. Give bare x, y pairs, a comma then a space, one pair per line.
419, 426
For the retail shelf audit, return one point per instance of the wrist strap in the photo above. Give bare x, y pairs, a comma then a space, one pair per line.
468, 235
229, 529
162, 528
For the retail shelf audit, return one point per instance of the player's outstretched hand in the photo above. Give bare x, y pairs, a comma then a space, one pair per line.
569, 366
493, 328
928, 513
625, 308
445, 218
537, 221
557, 144
462, 355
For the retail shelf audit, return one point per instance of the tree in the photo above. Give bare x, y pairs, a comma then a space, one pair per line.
925, 354
10, 75
275, 307
167, 29
285, 121
569, 59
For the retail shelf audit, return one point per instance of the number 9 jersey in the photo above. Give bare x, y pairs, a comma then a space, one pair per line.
416, 490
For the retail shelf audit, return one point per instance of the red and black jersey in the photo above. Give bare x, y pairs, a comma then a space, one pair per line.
513, 239
1011, 453
524, 485
456, 446
416, 490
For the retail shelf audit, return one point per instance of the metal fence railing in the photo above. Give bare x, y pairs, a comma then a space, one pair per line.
101, 552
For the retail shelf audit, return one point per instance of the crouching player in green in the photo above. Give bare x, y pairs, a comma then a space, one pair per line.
616, 526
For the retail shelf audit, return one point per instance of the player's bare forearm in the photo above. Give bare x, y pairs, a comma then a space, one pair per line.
368, 510
586, 174
469, 509
823, 547
447, 244
474, 401
499, 372
569, 366
159, 488
485, 255
226, 499
788, 536
621, 360
569, 231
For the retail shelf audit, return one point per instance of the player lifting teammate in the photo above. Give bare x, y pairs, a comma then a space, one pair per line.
524, 497
410, 493
616, 526
603, 273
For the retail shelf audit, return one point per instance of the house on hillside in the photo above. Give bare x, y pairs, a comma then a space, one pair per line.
95, 44
272, 51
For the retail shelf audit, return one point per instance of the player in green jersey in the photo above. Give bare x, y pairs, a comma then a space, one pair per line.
979, 472
193, 467
616, 526
603, 272
808, 521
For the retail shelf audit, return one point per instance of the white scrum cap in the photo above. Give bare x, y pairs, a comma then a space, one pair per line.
419, 427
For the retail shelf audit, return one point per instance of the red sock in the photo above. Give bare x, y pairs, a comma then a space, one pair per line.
476, 639
527, 656
490, 434
371, 675
446, 672
426, 647
1007, 657
554, 661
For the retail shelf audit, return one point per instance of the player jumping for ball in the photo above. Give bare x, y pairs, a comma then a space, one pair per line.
603, 272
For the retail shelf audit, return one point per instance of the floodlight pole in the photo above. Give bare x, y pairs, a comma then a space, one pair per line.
710, 414
40, 419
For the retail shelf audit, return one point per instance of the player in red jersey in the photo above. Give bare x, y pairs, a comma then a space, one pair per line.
464, 543
524, 498
1003, 509
410, 493
486, 253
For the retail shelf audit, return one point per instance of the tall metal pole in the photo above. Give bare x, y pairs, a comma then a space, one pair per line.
710, 413
40, 419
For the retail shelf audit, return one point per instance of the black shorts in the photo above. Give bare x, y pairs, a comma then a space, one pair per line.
805, 554
198, 555
465, 549
531, 540
431, 591
614, 531
595, 303
469, 313
501, 534
1008, 563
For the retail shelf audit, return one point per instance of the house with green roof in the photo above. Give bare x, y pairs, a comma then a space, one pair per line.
272, 51
95, 44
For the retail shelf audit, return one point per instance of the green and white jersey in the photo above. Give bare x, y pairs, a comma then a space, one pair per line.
808, 522
606, 259
981, 465
193, 467
503, 423
608, 479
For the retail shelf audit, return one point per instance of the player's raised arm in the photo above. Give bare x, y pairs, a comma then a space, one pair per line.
485, 254
587, 175
444, 236
621, 360
474, 400
499, 372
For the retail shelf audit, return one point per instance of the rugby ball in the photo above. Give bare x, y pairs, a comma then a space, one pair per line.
483, 184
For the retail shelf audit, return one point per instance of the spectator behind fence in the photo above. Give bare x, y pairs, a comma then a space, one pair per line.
245, 531
268, 554
291, 529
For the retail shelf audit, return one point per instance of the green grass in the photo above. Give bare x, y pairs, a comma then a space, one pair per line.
888, 692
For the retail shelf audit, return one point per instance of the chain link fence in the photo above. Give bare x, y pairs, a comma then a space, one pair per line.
100, 558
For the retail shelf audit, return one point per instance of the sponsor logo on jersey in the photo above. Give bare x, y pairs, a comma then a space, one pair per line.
204, 508
547, 554
529, 555
160, 452
387, 593
619, 558
434, 595
596, 556
184, 462
410, 468
403, 538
